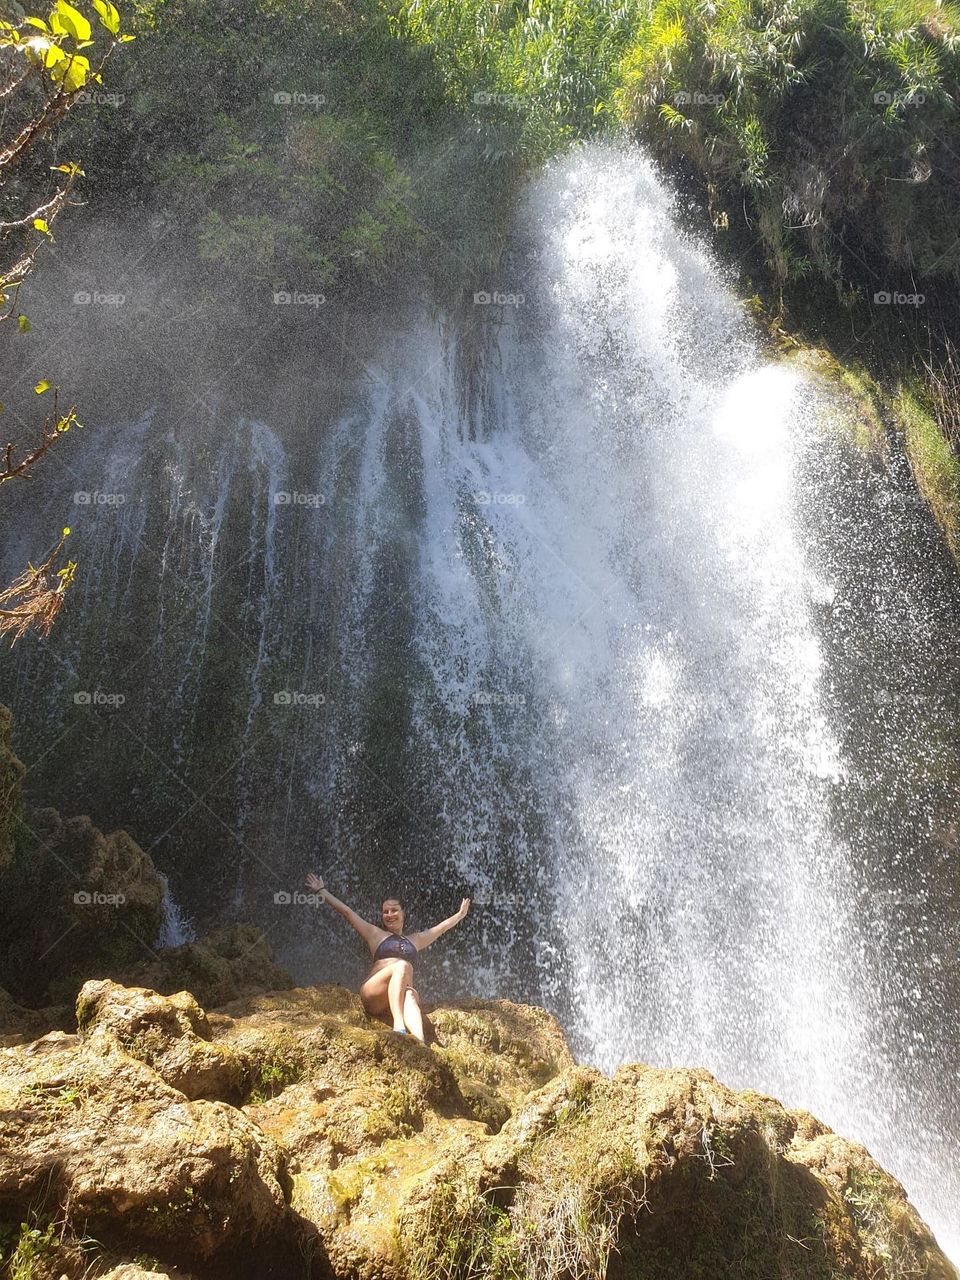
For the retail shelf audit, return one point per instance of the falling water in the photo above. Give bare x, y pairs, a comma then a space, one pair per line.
589, 610
622, 686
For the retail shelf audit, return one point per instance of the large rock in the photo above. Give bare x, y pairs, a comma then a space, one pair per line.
11, 778
92, 1134
169, 1033
363, 1155
18, 1024
230, 963
74, 902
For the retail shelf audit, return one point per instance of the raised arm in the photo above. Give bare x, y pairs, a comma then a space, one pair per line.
367, 931
426, 936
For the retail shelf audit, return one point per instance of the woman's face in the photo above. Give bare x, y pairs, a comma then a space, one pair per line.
392, 915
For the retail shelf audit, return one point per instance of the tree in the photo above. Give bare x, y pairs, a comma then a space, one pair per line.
43, 71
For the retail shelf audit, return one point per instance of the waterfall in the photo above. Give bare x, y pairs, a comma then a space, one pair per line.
625, 630
579, 603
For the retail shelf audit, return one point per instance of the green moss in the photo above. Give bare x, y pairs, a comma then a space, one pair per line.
280, 1061
936, 466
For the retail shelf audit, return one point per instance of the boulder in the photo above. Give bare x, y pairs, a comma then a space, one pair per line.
90, 1133
74, 902
171, 1034
364, 1155
227, 964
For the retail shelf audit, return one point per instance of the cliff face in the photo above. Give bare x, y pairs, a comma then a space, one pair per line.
285, 1135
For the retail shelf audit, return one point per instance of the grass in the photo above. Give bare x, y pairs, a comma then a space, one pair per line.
936, 467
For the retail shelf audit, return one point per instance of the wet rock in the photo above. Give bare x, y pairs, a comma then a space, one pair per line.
11, 778
74, 901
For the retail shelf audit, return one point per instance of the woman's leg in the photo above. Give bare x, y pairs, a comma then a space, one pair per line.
373, 992
411, 1013
400, 975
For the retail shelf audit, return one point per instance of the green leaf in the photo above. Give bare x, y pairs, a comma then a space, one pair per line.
38, 23
109, 17
42, 386
74, 21
23, 324
124, 39
73, 71
40, 224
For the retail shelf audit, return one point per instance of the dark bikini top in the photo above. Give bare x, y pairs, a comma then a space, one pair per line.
396, 947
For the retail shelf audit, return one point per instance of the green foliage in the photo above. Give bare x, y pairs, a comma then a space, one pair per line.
935, 464
831, 118
32, 1252
465, 1236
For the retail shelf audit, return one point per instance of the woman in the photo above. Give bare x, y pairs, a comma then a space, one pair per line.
387, 987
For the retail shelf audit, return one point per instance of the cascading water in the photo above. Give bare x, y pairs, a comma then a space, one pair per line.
616, 605
584, 607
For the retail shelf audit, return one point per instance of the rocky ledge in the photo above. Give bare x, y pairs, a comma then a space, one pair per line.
284, 1135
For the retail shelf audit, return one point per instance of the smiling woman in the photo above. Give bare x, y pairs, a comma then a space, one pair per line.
388, 987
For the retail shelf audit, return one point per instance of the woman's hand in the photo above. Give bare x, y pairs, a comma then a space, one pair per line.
314, 883
464, 908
